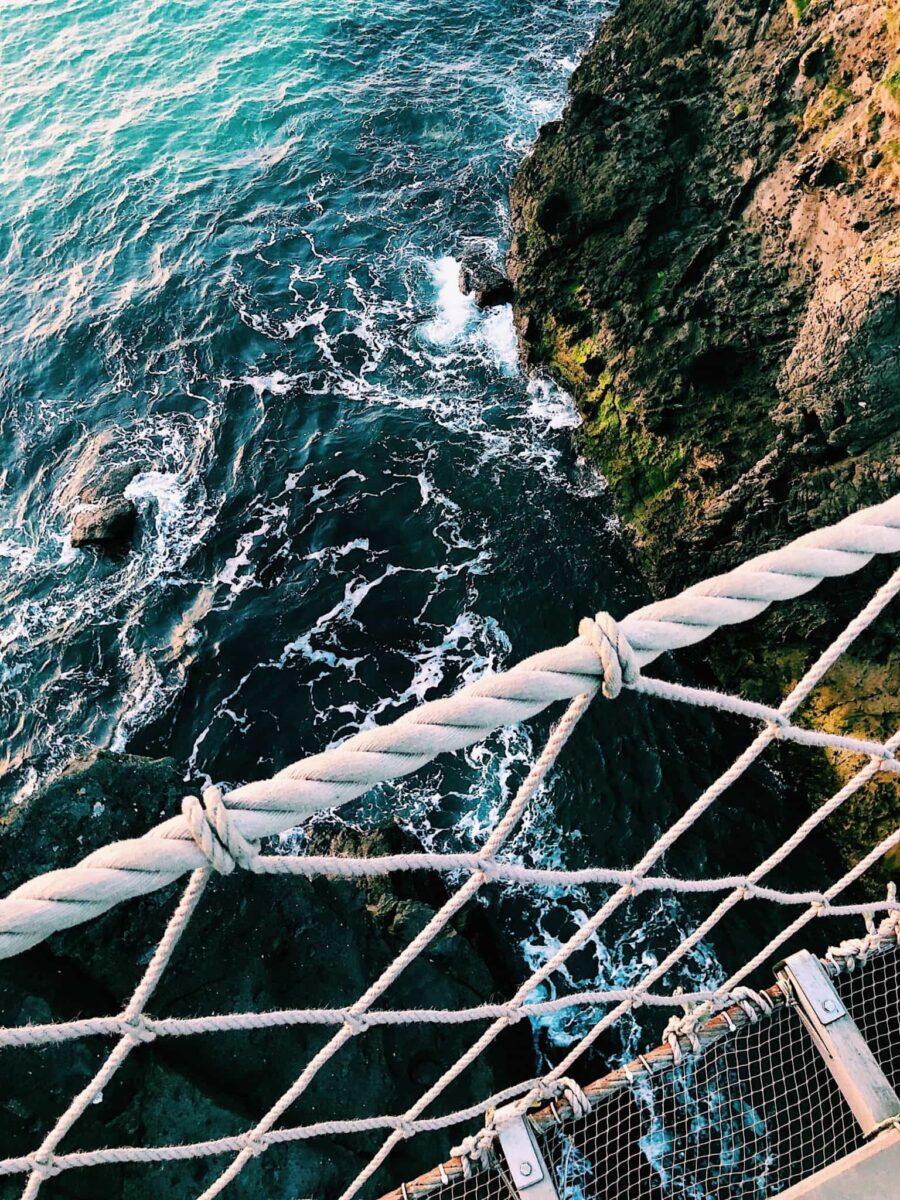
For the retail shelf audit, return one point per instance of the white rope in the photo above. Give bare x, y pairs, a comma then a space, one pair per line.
126, 869
221, 834
790, 705
134, 1031
558, 738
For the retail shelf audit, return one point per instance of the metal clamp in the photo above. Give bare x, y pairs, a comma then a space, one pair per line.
529, 1172
836, 1036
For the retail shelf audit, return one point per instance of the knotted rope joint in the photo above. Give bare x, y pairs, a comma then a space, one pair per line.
617, 658
216, 834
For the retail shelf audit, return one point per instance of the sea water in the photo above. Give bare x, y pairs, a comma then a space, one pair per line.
230, 235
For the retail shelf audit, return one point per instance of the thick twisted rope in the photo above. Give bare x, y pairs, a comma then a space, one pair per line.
126, 869
587, 930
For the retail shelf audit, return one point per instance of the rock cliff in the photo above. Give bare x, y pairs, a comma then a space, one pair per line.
706, 251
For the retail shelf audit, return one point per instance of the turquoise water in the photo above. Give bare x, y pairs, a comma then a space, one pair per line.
230, 236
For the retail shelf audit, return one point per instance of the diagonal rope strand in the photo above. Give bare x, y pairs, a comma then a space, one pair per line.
133, 1034
557, 739
789, 706
137, 866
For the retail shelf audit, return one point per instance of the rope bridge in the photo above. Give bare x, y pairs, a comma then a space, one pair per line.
222, 833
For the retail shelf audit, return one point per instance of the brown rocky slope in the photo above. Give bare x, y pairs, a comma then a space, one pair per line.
706, 251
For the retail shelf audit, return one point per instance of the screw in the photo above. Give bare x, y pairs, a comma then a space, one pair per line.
828, 1006
525, 1169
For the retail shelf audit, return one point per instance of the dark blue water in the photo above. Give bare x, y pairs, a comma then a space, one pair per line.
230, 236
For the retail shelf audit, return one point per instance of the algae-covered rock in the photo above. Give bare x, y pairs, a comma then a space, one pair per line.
255, 943
706, 251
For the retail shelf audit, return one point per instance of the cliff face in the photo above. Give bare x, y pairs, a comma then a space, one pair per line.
707, 253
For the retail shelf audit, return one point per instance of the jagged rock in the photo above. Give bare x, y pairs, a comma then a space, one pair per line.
484, 281
255, 943
705, 254
104, 515
107, 523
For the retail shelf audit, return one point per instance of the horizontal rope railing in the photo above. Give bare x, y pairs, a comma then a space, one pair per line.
229, 1145
150, 1027
126, 869
223, 832
552, 877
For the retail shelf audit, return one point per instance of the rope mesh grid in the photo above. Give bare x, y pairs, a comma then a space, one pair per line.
223, 833
753, 1115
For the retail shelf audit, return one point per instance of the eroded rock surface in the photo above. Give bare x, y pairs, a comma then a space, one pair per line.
484, 281
707, 253
105, 516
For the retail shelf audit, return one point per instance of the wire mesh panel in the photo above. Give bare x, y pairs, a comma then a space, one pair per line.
488, 1184
753, 1115
872, 995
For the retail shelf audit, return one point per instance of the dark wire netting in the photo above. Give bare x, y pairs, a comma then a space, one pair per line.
872, 995
754, 1114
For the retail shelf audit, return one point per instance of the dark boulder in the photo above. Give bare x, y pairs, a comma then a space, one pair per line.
484, 281
105, 516
107, 523
255, 943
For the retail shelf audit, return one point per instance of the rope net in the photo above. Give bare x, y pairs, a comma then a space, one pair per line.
757, 1112
223, 834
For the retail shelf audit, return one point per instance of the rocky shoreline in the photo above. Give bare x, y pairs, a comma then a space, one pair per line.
706, 253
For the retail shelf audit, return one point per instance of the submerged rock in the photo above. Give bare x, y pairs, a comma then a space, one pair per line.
484, 281
705, 254
255, 943
107, 522
95, 488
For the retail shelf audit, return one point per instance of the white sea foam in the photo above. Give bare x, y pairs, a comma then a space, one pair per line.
454, 310
498, 334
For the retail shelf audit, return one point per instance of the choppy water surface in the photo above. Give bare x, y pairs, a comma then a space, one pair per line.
230, 237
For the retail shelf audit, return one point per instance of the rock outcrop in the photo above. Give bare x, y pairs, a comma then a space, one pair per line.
484, 281
105, 516
255, 943
706, 251
92, 494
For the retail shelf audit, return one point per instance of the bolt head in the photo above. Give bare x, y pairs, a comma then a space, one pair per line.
525, 1169
829, 1006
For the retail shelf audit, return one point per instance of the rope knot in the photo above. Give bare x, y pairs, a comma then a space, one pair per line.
45, 1166
550, 1089
609, 643
216, 834
255, 1146
137, 1029
756, 1005
475, 1150
356, 1022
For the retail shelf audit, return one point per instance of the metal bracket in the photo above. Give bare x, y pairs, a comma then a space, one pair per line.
836, 1036
531, 1177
